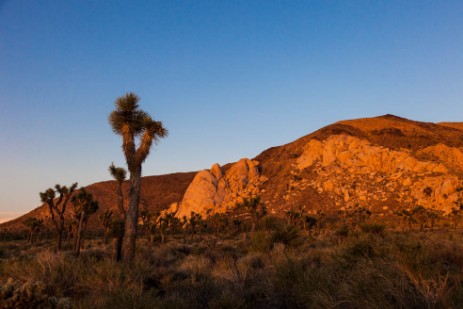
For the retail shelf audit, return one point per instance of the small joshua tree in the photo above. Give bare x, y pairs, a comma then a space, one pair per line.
145, 216
184, 223
118, 225
421, 215
106, 218
292, 217
194, 221
310, 222
34, 226
84, 207
455, 217
252, 206
175, 225
163, 225
57, 207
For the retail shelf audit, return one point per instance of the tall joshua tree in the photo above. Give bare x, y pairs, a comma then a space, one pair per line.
57, 207
136, 127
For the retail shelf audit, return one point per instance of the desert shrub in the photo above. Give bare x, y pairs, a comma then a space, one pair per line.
58, 272
367, 270
361, 248
195, 266
287, 235
275, 232
123, 300
373, 228
261, 242
342, 231
226, 300
288, 285
15, 294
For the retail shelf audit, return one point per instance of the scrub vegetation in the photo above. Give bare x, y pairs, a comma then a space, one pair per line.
349, 261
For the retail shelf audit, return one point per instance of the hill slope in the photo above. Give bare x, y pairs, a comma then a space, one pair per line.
382, 163
157, 193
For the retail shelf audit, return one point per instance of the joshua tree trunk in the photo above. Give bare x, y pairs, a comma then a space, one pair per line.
119, 248
79, 234
131, 223
68, 236
163, 237
60, 231
123, 217
29, 239
34, 236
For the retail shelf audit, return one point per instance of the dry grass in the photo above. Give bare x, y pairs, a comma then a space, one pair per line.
365, 270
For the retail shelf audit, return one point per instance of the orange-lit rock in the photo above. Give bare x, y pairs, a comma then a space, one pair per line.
217, 191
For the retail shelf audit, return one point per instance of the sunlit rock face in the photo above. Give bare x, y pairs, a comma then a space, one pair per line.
352, 171
217, 191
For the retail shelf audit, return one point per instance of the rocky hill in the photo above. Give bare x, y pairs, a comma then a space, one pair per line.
382, 163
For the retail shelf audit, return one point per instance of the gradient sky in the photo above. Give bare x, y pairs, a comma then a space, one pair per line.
228, 78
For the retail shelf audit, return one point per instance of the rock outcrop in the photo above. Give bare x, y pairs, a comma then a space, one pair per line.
217, 191
352, 172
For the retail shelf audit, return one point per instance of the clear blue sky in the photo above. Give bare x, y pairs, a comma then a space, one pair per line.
228, 78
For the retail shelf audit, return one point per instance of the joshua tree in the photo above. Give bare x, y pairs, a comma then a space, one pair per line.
252, 205
175, 225
218, 222
163, 225
355, 215
132, 123
433, 216
84, 207
146, 219
70, 230
309, 223
321, 218
194, 221
421, 215
184, 223
117, 232
119, 174
58, 207
106, 219
34, 226
117, 229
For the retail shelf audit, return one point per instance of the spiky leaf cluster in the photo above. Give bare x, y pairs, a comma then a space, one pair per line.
127, 113
33, 223
118, 173
84, 202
